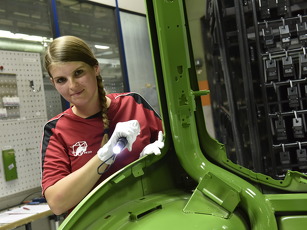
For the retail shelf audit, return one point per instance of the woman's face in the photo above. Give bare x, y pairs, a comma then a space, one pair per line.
76, 82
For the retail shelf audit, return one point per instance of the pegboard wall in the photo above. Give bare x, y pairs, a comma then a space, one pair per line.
22, 132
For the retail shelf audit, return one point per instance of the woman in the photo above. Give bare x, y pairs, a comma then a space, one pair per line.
76, 152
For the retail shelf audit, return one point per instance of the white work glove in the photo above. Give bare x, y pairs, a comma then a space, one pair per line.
128, 129
154, 148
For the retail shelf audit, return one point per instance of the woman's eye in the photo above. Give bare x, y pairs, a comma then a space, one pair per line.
60, 80
78, 72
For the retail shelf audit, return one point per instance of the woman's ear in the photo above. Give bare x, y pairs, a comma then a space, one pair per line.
51, 80
97, 69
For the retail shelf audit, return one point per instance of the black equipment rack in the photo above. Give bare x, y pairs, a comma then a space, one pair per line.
256, 62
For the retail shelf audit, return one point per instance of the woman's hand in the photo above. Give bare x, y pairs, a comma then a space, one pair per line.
129, 130
154, 147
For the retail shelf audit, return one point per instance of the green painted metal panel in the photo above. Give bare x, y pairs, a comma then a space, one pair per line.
297, 222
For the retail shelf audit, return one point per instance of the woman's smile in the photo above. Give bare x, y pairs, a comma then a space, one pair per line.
77, 94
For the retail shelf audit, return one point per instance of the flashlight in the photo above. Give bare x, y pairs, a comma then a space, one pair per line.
120, 145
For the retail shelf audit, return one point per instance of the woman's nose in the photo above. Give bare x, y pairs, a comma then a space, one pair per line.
72, 83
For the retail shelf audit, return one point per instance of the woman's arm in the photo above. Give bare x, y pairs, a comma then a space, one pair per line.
70, 190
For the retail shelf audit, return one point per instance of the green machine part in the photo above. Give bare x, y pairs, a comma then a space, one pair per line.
181, 188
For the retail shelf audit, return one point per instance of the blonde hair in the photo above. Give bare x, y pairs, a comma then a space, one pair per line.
71, 48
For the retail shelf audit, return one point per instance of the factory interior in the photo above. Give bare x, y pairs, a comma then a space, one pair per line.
226, 78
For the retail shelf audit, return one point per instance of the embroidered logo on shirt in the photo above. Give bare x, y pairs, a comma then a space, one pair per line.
79, 148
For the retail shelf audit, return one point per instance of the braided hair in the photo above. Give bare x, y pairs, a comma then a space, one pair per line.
69, 49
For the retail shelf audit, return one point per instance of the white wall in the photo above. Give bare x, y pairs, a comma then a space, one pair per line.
137, 6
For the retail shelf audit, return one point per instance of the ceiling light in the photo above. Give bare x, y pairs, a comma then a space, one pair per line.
8, 34
102, 47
